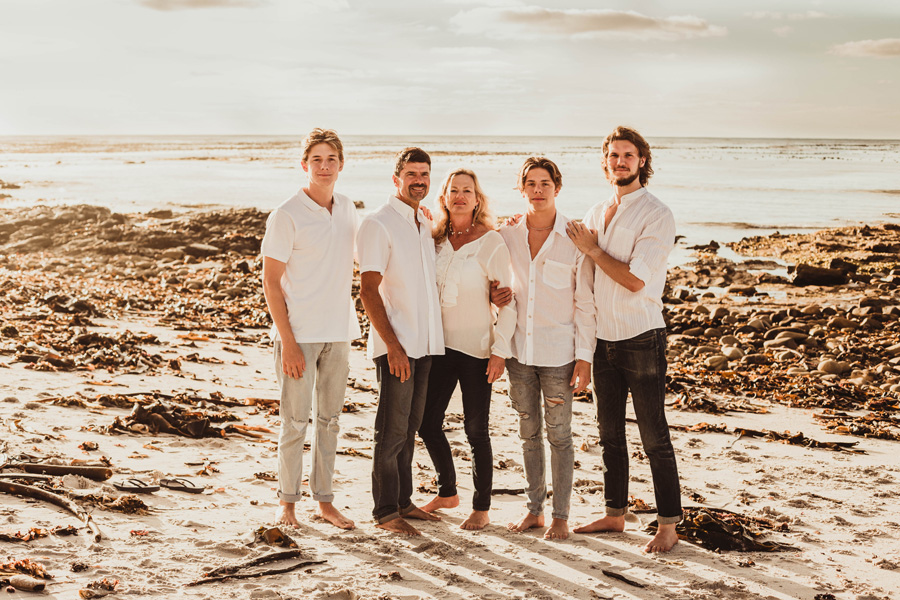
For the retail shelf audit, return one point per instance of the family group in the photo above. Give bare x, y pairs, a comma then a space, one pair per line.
454, 299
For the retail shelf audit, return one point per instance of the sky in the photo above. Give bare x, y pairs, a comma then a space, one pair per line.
760, 68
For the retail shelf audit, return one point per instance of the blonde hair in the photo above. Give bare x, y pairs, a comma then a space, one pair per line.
482, 214
322, 136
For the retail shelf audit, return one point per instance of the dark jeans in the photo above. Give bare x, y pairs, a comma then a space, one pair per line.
639, 365
399, 414
471, 374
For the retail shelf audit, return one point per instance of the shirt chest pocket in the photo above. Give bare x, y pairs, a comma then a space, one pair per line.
621, 244
557, 275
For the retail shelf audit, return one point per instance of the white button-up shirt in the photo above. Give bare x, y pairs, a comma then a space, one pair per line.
390, 243
317, 248
464, 277
640, 234
554, 298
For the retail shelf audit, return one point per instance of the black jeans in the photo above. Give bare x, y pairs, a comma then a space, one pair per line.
399, 414
471, 374
639, 365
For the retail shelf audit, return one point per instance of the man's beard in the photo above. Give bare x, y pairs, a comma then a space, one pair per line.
417, 192
627, 180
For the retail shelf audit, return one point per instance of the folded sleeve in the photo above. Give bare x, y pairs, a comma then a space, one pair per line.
499, 268
278, 241
653, 245
373, 246
585, 312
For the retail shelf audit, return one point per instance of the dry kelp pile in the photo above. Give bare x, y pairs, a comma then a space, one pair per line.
722, 530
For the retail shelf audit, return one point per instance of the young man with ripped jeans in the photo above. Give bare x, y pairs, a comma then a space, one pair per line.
553, 343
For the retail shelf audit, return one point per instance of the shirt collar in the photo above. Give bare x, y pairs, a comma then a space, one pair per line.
405, 210
310, 203
634, 195
559, 226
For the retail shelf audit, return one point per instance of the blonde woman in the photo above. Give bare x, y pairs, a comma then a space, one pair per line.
470, 255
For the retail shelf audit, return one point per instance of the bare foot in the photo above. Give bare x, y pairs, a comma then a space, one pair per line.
664, 539
328, 512
418, 513
605, 524
286, 515
440, 502
529, 521
476, 521
398, 525
559, 530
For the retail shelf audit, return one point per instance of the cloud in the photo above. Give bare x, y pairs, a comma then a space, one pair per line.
526, 21
784, 30
186, 4
884, 48
779, 16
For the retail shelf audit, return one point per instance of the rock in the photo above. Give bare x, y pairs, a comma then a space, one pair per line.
831, 367
760, 324
839, 264
890, 351
741, 290
812, 309
838, 322
712, 332
160, 214
700, 350
719, 312
780, 343
194, 284
173, 253
729, 340
701, 310
732, 353
716, 362
755, 359
201, 250
694, 331
810, 275
797, 371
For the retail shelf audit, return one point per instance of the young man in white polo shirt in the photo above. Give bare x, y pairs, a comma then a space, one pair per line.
553, 343
399, 292
307, 277
629, 238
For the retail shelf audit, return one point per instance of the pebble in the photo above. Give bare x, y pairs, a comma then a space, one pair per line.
732, 353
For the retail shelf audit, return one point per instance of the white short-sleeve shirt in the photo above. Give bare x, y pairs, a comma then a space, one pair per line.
641, 234
389, 242
317, 247
554, 298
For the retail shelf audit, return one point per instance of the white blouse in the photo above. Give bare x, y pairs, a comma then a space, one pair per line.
471, 325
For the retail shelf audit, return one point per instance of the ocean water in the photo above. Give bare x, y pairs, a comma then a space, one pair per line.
721, 189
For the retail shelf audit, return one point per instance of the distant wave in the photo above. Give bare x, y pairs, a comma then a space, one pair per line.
893, 192
744, 225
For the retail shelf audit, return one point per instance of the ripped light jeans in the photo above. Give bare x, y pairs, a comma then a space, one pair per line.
324, 384
527, 385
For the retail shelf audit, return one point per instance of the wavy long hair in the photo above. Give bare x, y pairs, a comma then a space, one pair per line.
482, 213
627, 134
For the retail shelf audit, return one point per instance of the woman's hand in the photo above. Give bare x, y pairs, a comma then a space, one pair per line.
495, 368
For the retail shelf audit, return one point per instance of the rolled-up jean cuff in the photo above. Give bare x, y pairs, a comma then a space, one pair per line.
668, 520
616, 512
390, 517
405, 510
323, 497
290, 498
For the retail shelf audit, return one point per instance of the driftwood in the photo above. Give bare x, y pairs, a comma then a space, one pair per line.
95, 473
622, 578
23, 582
232, 571
30, 491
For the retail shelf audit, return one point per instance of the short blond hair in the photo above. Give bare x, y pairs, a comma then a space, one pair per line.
322, 136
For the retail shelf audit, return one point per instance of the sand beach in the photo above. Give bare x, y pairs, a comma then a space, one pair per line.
107, 317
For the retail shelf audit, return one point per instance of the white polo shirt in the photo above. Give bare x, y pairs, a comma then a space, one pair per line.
641, 234
390, 243
554, 298
317, 248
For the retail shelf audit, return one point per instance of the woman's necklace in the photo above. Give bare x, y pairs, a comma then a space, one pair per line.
465, 231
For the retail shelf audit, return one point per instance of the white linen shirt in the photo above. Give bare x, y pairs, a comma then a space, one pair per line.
554, 298
389, 243
640, 234
317, 248
464, 280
